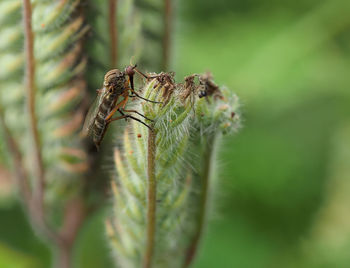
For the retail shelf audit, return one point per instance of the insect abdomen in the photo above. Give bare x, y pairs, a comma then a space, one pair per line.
100, 123
99, 127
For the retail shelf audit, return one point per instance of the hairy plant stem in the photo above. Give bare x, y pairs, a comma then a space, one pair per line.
151, 200
22, 181
167, 34
113, 32
63, 258
75, 214
205, 179
30, 93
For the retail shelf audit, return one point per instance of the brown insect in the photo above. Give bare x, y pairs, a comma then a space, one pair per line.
209, 88
117, 85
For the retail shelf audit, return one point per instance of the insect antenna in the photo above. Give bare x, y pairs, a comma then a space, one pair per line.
144, 75
141, 73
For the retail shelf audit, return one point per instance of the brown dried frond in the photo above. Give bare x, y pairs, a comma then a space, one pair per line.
189, 88
167, 82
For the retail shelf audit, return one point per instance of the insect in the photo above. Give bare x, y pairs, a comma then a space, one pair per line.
117, 85
209, 88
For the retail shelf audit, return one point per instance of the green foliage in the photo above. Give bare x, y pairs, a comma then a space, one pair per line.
273, 175
329, 241
12, 259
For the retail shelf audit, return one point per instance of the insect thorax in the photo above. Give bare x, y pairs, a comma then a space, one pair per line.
115, 81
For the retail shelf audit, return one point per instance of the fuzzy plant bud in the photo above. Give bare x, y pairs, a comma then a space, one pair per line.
161, 170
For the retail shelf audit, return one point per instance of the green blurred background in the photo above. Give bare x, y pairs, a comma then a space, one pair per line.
282, 190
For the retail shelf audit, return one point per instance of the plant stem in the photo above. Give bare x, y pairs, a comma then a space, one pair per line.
151, 200
74, 216
22, 181
30, 92
63, 258
207, 163
113, 32
167, 34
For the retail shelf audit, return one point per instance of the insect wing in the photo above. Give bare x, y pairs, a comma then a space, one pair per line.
91, 115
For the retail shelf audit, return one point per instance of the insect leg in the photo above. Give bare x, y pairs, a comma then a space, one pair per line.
129, 116
121, 112
137, 95
141, 73
126, 97
119, 105
134, 111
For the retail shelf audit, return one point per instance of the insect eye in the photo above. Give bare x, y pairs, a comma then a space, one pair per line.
202, 94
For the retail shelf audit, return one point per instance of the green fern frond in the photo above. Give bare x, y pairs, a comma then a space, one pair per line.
59, 29
12, 60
